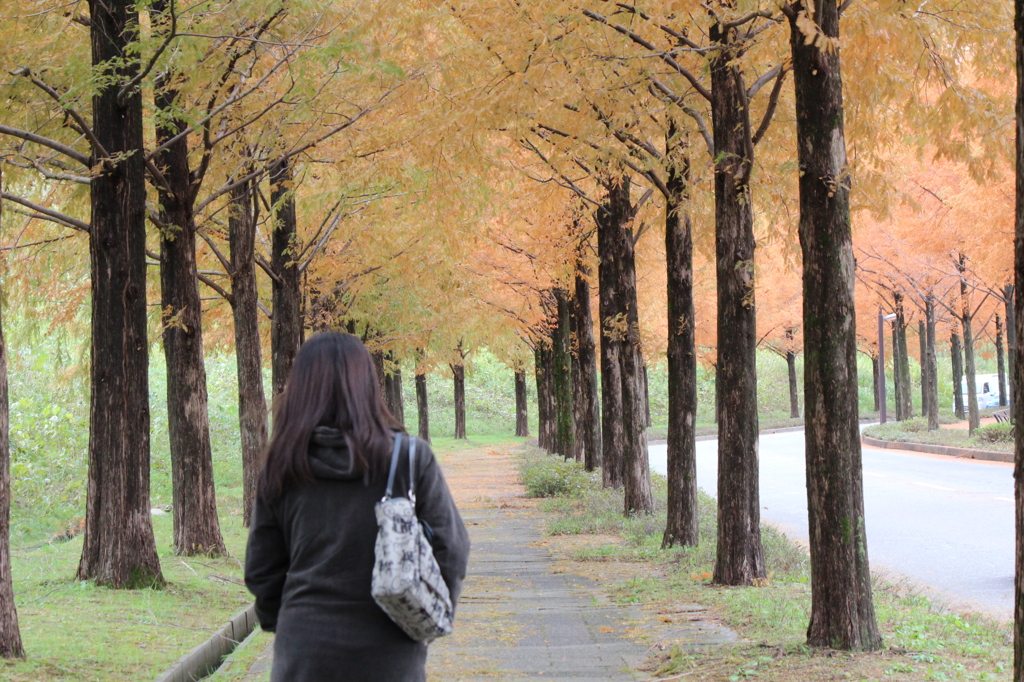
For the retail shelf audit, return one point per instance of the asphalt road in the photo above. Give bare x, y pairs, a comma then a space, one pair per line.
944, 522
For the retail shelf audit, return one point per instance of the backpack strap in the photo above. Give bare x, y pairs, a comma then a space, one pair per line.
412, 469
394, 465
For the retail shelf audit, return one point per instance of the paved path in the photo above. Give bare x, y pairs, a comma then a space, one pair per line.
521, 615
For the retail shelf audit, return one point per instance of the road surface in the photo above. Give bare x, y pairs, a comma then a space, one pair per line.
944, 522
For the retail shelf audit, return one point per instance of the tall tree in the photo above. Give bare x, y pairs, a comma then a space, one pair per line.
244, 301
842, 610
543, 373
563, 378
196, 526
119, 548
1011, 338
612, 211
10, 634
422, 406
929, 362
681, 524
958, 374
740, 557
966, 325
1018, 355
286, 329
1000, 361
458, 368
588, 419
522, 417
922, 337
621, 325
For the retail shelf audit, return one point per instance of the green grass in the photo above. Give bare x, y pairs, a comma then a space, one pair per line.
237, 665
74, 630
921, 637
916, 431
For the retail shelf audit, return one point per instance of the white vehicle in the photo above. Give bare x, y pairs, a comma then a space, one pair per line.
987, 386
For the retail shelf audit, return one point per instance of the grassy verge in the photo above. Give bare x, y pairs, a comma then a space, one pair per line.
76, 631
660, 431
921, 641
998, 437
236, 666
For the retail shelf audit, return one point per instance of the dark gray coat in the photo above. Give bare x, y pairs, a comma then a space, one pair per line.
310, 559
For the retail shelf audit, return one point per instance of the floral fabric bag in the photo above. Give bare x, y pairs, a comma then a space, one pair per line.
407, 582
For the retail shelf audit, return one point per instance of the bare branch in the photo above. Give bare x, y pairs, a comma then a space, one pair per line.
668, 59
773, 101
122, 95
702, 125
55, 216
47, 142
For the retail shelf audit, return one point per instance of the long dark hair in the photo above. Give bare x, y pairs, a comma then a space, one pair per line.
333, 383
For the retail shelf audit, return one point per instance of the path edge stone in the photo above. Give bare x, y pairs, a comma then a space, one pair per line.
205, 658
964, 453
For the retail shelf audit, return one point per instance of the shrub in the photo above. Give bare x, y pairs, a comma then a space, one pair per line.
546, 475
1000, 432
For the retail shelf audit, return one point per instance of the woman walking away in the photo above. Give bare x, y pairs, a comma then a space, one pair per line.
311, 544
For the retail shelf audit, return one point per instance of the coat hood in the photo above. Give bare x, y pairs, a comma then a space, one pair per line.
330, 457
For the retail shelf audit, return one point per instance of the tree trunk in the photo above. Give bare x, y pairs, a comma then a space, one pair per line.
615, 242
393, 377
382, 377
908, 389
794, 401
10, 634
399, 394
119, 548
922, 337
196, 526
611, 351
874, 379
1000, 362
550, 427
901, 363
252, 401
897, 372
842, 610
588, 417
286, 329
562, 365
682, 516
543, 386
718, 395
958, 376
973, 418
422, 407
933, 370
522, 418
740, 558
459, 373
1017, 355
646, 394
1008, 293
578, 409
636, 466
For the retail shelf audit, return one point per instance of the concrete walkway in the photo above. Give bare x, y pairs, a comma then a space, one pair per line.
522, 615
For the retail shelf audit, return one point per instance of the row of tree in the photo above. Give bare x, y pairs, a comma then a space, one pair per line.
306, 165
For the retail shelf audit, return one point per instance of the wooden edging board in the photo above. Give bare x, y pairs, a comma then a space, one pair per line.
966, 453
207, 657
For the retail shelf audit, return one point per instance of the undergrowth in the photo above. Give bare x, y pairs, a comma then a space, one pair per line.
923, 641
990, 437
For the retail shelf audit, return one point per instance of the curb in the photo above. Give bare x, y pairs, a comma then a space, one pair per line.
965, 453
713, 436
207, 657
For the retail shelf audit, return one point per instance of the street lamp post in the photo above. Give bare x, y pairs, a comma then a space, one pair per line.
881, 363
